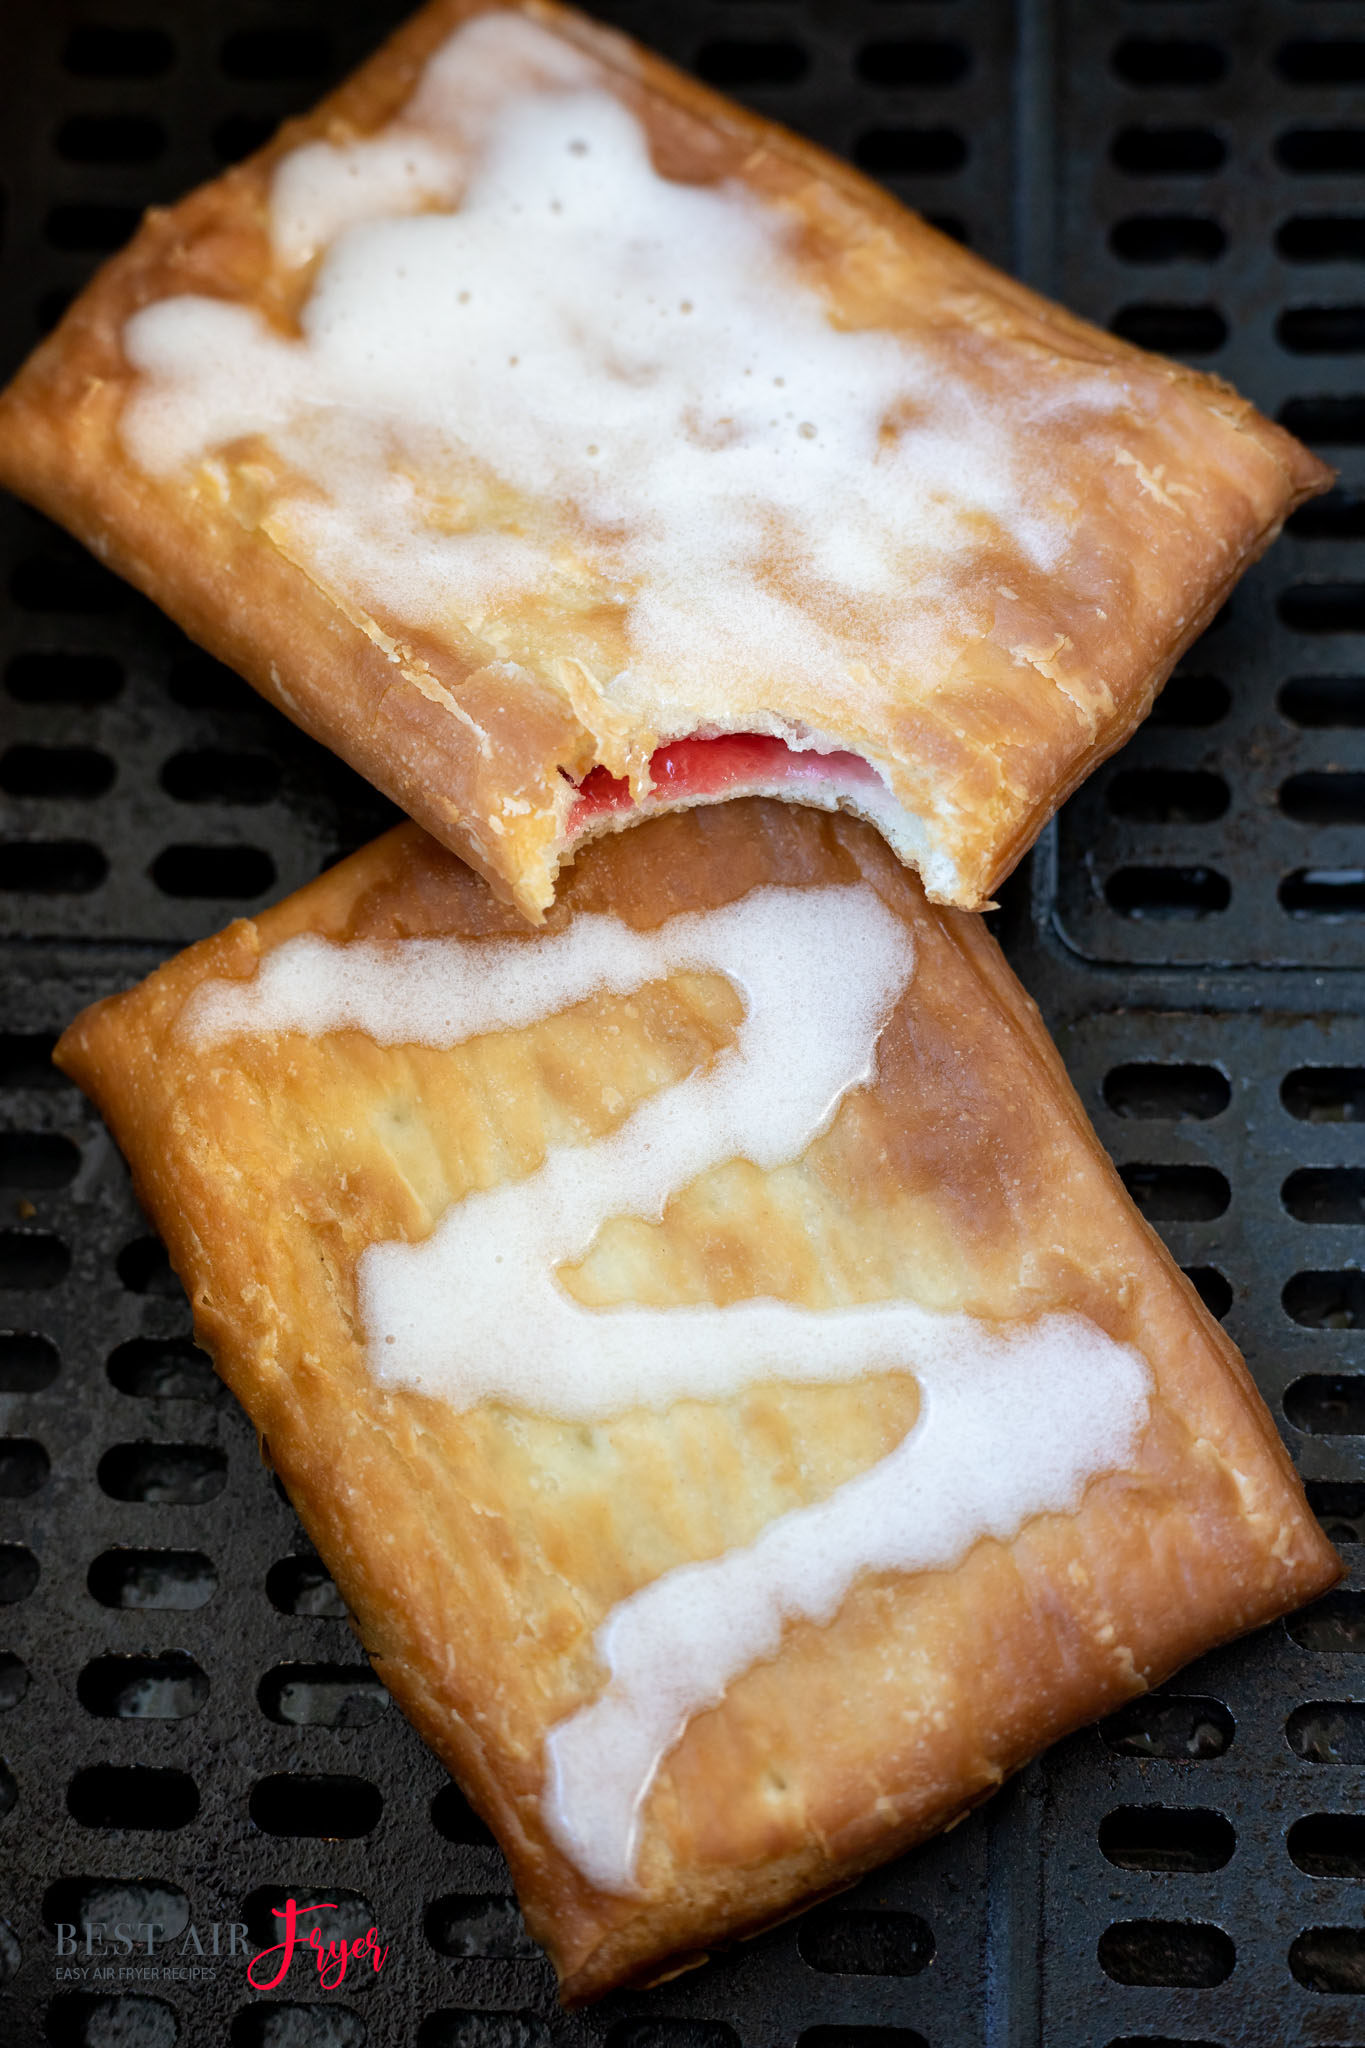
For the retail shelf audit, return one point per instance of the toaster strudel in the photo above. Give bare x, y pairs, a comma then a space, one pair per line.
728, 1382
558, 441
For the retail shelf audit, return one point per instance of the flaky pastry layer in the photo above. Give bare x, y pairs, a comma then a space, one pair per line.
480, 1550
1035, 665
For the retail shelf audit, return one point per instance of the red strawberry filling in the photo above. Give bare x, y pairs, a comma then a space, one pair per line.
714, 768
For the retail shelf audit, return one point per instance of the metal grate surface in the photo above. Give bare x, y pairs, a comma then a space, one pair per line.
1211, 206
186, 1729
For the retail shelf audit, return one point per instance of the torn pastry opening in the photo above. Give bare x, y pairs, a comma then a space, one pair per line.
711, 768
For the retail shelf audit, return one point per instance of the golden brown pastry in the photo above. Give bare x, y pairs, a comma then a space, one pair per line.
557, 441
706, 1342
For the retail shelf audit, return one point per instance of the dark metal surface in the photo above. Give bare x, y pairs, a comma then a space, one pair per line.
1196, 1872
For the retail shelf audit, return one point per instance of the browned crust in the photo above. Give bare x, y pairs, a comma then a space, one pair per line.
1008, 737
926, 1691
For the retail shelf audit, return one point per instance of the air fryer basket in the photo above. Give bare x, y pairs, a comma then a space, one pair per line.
187, 1731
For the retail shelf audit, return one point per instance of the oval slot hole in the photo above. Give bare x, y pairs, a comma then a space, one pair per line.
846, 1941
26, 1060
1325, 1301
327, 1806
1212, 1287
1180, 1954
24, 1467
860, 2037
1331, 797
1338, 516
1148, 1089
52, 773
1340, 1507
1167, 1838
1326, 1194
13, 1680
214, 776
90, 226
1322, 238
302, 1586
1330, 1959
144, 1267
18, 1573
1167, 892
66, 583
32, 1259
111, 139
670, 2033
161, 1908
479, 1924
199, 683
169, 1369
1331, 61
1167, 238
241, 135
1191, 703
1171, 329
37, 1161
132, 1796
63, 678
227, 872
51, 867
1334, 1626
1327, 1732
1174, 1726
1327, 1404
1325, 703
743, 64
96, 49
1177, 1194
1327, 893
455, 1820
1329, 1844
274, 53
322, 1695
1323, 607
1167, 796
1325, 1095
910, 152
129, 1688
1168, 152
286, 2023
1168, 61
108, 2019
173, 1581
1326, 422
459, 2029
918, 62
1322, 152
28, 1362
163, 1475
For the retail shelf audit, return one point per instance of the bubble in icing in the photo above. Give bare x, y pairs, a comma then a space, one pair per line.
475, 1312
637, 311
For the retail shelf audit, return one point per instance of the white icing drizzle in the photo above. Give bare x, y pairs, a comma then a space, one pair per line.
639, 359
1010, 1426
475, 1311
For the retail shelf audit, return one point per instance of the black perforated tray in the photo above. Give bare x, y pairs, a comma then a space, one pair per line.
186, 1732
